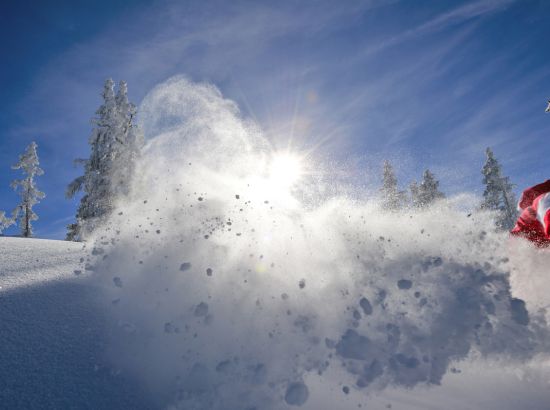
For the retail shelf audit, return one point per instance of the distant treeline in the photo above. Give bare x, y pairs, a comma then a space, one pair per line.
115, 146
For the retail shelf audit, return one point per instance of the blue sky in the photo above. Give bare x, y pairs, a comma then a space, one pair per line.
426, 84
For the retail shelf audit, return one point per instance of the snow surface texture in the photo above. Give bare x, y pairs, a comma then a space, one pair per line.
230, 292
52, 339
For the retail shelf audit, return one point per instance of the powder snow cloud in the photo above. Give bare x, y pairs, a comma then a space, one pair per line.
230, 293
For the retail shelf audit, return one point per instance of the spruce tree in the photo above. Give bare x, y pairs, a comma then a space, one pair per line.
30, 195
498, 195
115, 143
427, 192
391, 198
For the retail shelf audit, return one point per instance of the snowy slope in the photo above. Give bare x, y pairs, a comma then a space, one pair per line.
28, 262
52, 339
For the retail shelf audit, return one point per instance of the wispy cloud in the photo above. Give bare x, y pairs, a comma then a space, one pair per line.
444, 20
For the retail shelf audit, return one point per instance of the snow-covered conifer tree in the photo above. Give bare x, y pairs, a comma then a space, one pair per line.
30, 195
115, 144
392, 199
498, 195
427, 192
6, 222
130, 142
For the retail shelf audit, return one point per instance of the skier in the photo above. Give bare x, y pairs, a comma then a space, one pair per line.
534, 220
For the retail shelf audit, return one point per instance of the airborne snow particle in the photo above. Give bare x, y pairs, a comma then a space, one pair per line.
404, 284
201, 309
77, 272
366, 306
296, 394
354, 346
410, 362
519, 312
185, 266
117, 281
224, 366
302, 283
209, 272
345, 389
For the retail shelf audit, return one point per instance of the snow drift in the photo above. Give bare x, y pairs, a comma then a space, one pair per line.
232, 291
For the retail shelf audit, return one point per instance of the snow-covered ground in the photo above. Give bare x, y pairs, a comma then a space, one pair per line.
52, 336
54, 345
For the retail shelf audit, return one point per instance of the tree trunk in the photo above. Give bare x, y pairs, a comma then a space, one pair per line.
27, 230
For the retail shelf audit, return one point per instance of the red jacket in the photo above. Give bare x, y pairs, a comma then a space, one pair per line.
534, 221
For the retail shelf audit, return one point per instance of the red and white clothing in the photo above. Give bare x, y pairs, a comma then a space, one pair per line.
534, 221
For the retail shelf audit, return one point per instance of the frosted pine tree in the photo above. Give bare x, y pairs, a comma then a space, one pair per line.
391, 198
498, 195
115, 144
129, 142
96, 201
30, 195
427, 192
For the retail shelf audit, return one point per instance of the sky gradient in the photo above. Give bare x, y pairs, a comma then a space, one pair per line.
426, 84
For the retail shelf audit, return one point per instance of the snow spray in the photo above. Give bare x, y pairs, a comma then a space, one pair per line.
231, 292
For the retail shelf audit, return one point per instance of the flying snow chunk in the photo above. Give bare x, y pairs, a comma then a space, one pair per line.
201, 309
519, 312
366, 306
296, 394
185, 266
354, 346
404, 284
117, 281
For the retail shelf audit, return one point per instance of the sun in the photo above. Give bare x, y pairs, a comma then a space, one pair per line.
285, 169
